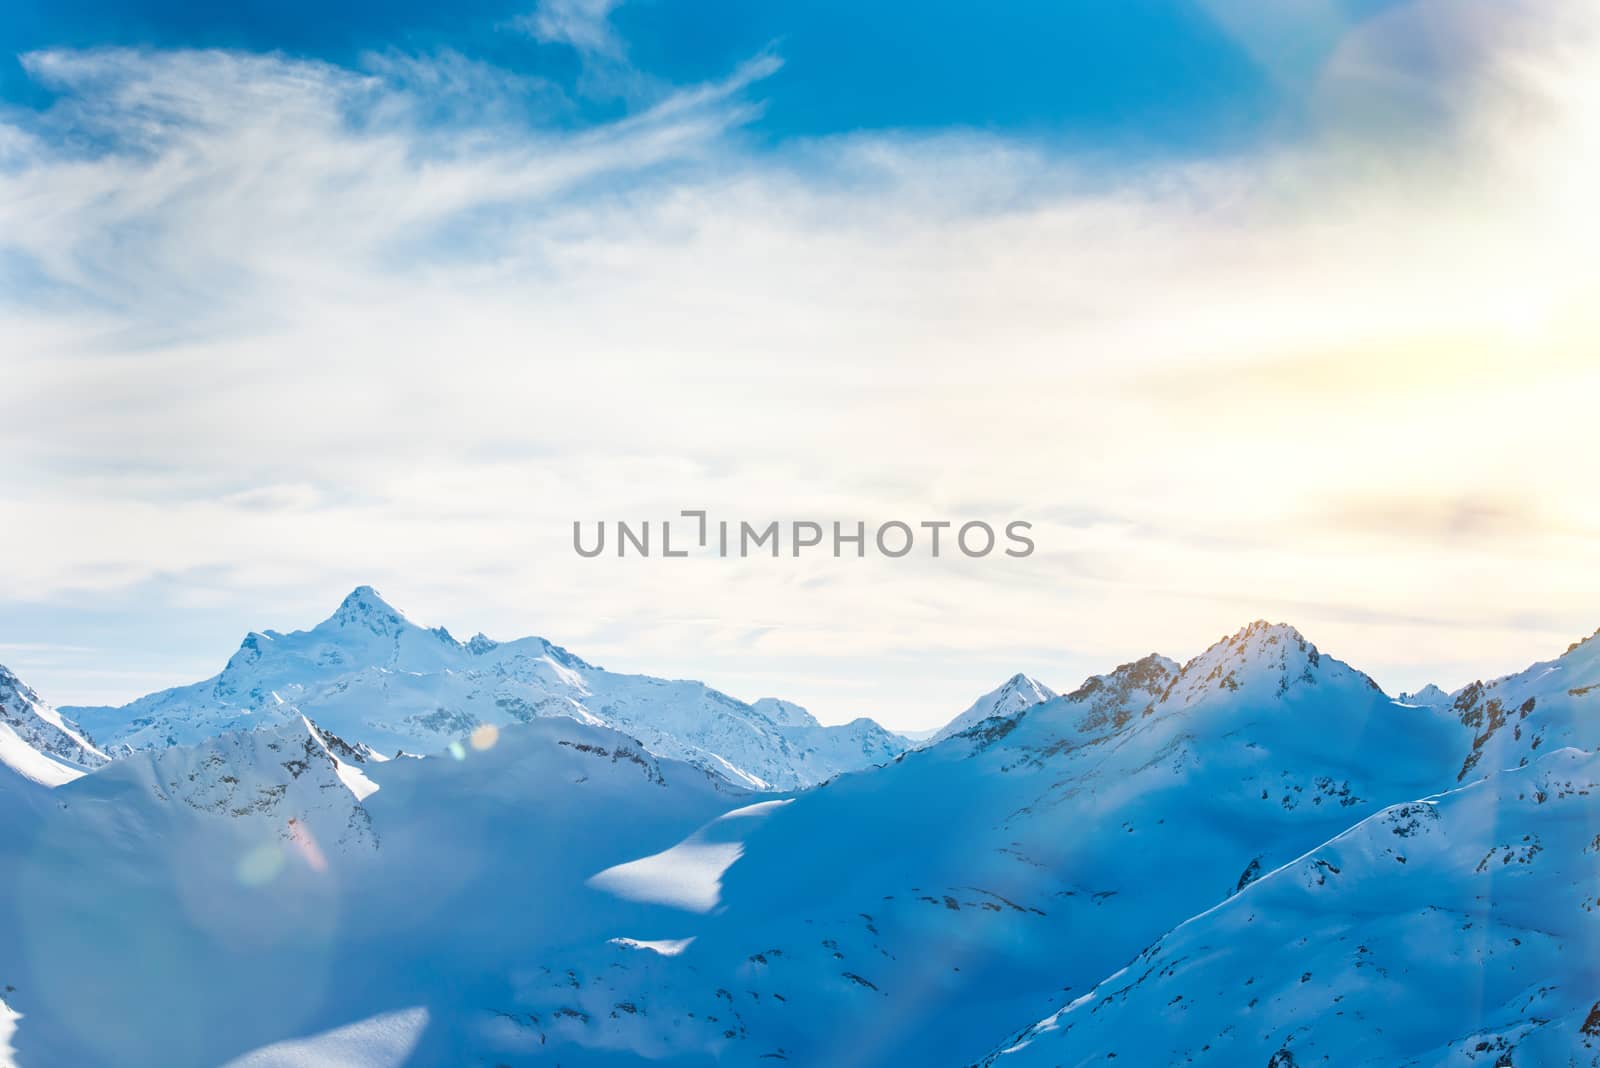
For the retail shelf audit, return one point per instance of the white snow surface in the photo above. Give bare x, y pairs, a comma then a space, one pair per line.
384, 1041
666, 947
22, 759
8, 1027
689, 875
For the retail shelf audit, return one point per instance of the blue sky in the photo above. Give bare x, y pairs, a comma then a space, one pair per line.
1254, 310
1151, 75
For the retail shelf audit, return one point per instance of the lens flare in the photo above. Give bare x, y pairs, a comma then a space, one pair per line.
306, 845
261, 865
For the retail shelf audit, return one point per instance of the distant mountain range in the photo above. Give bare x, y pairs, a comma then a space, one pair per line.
367, 672
371, 841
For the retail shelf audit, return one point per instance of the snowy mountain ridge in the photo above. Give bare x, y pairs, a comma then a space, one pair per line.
36, 741
304, 783
1258, 659
369, 674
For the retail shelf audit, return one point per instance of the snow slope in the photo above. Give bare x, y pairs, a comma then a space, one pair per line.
368, 674
36, 742
384, 1041
19, 758
238, 899
1458, 930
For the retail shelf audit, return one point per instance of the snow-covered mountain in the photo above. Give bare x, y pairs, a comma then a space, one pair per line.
36, 742
1455, 930
1017, 694
197, 903
1450, 930
369, 674
1553, 704
1255, 857
299, 780
917, 907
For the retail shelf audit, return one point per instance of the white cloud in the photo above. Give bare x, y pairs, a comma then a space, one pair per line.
284, 332
583, 24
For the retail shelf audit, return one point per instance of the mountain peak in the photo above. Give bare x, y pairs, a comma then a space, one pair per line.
1016, 695
1261, 657
1253, 639
1429, 696
1263, 632
365, 598
1150, 675
364, 607
1020, 681
1106, 703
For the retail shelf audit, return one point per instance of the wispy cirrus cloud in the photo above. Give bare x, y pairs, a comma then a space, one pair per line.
275, 327
582, 24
